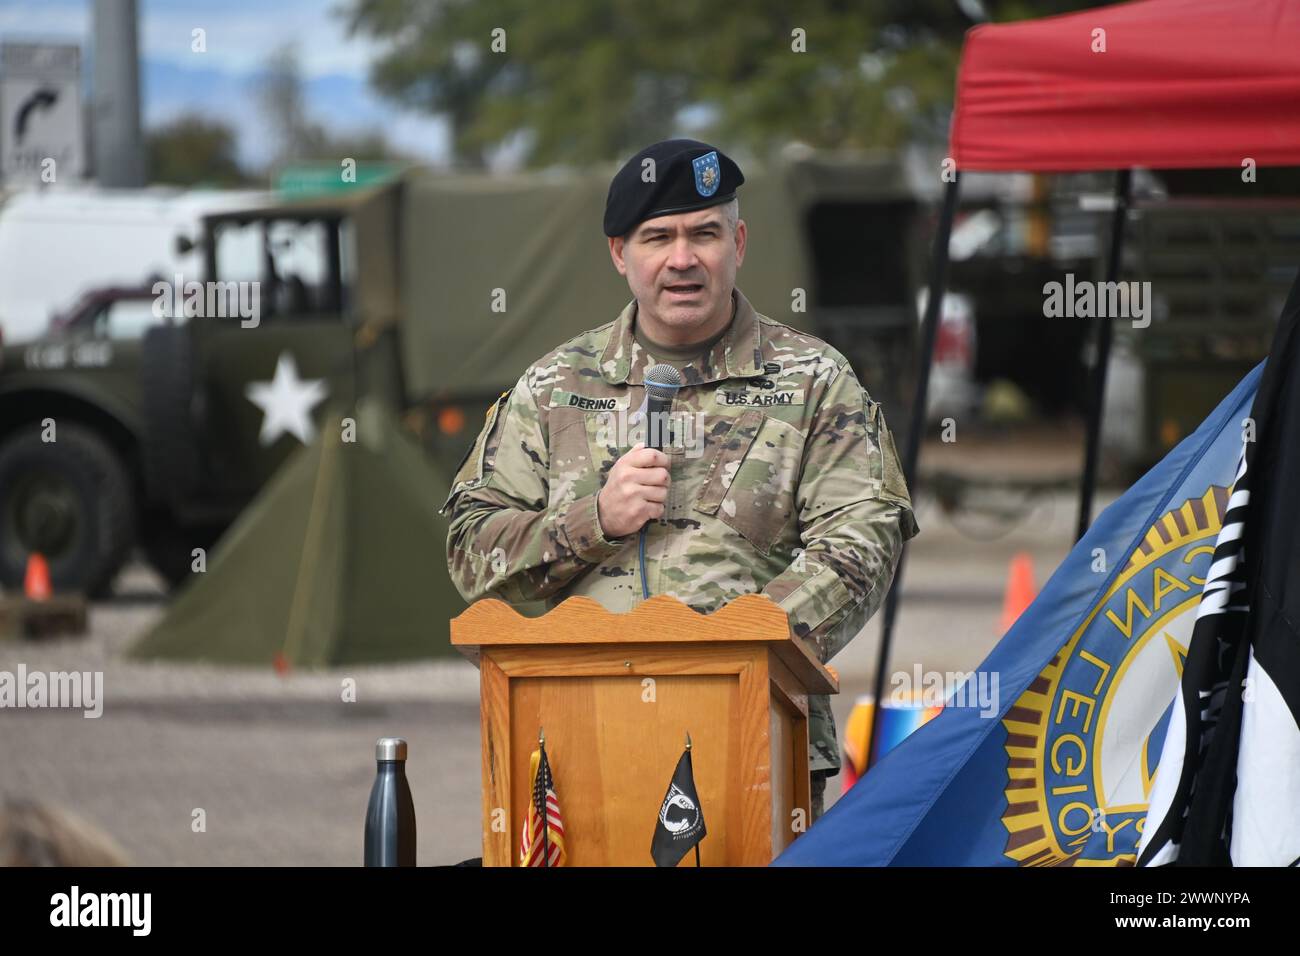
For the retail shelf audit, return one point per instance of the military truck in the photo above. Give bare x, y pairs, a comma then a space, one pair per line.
1220, 270
432, 291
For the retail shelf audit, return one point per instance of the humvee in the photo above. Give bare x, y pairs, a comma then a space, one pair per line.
432, 292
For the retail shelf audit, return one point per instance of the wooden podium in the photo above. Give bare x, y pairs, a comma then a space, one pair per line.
616, 695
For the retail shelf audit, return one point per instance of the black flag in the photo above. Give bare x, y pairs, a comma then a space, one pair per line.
681, 818
1235, 737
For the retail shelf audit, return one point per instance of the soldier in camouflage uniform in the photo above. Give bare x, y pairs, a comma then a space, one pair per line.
778, 474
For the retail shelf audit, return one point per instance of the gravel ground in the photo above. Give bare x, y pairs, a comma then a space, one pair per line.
281, 766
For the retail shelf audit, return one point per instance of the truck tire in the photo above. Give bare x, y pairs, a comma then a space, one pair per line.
169, 452
70, 499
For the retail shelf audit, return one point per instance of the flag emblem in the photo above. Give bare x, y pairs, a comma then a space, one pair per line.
679, 811
1084, 739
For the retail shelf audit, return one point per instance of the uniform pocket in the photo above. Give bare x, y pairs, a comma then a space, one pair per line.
573, 473
893, 483
751, 486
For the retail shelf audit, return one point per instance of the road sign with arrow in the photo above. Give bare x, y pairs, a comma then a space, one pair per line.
40, 112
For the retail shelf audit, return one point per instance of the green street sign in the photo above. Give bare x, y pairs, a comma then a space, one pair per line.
297, 181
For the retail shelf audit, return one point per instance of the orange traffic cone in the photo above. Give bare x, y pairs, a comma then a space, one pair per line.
36, 584
281, 664
1020, 591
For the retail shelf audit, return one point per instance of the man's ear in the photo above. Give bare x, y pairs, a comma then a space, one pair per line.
616, 253
741, 239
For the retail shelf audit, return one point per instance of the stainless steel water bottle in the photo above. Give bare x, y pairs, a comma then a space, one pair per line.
390, 818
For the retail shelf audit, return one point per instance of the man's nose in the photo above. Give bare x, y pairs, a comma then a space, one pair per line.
682, 255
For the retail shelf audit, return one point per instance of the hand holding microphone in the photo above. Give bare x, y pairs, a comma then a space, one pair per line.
635, 491
637, 488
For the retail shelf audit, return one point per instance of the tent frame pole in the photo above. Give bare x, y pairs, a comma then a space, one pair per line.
1104, 326
915, 431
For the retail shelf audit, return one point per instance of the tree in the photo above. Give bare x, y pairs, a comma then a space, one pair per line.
586, 80
299, 138
191, 151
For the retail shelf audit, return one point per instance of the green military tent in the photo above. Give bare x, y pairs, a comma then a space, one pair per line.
339, 560
499, 270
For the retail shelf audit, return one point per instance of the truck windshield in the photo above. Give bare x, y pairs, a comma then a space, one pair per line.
295, 261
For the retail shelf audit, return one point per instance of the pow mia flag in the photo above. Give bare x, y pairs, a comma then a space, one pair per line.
681, 820
1229, 779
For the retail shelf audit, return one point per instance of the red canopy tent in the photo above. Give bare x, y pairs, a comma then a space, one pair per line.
1182, 83
1153, 83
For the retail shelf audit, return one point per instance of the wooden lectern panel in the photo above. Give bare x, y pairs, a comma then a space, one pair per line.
791, 788
616, 714
613, 766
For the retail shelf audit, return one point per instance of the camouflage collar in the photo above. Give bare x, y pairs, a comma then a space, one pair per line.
738, 354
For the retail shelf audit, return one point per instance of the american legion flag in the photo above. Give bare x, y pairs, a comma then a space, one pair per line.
541, 839
1062, 770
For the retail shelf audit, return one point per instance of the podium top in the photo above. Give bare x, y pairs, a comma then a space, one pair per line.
751, 618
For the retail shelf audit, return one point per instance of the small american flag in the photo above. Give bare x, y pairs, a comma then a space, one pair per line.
542, 845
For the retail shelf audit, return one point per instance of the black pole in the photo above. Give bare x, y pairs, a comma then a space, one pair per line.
915, 431
1097, 383
697, 842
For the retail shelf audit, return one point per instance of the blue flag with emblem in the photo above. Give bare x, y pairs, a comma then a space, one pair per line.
1060, 769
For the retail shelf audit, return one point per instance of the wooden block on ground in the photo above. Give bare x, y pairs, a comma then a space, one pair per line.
60, 615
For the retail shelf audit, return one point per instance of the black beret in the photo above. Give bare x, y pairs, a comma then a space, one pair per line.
688, 175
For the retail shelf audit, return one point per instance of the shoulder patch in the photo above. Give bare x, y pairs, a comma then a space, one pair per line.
469, 474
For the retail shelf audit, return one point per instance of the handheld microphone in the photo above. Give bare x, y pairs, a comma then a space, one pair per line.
661, 385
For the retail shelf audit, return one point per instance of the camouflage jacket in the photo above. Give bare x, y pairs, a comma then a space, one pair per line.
784, 480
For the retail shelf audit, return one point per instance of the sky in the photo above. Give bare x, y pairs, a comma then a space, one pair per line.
220, 83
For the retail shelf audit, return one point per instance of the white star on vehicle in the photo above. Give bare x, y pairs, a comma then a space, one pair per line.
286, 402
